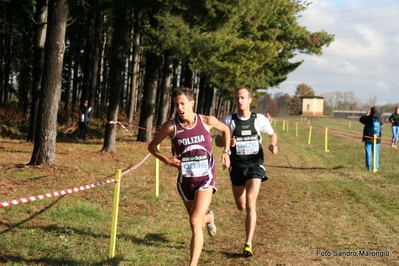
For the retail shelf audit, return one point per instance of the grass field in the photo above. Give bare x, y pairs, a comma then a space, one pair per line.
317, 208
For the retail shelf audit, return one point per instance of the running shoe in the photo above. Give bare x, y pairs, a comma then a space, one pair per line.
247, 250
211, 226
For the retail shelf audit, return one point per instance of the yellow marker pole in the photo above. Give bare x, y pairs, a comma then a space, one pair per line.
310, 134
283, 125
374, 153
157, 176
296, 129
118, 176
326, 141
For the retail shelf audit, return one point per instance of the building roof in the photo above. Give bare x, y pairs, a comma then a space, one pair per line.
311, 97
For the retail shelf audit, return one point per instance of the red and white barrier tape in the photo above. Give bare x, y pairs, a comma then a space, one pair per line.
117, 122
70, 190
56, 193
137, 165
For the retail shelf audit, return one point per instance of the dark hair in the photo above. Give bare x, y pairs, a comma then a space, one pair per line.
82, 103
373, 110
189, 93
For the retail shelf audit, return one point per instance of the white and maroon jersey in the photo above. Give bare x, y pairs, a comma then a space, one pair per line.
195, 147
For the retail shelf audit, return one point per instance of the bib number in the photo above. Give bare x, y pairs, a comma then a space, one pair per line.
247, 145
194, 165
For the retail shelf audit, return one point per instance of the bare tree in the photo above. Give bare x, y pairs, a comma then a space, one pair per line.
372, 101
341, 100
283, 101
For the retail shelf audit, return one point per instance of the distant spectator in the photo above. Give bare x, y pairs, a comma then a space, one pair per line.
83, 118
268, 116
394, 119
372, 126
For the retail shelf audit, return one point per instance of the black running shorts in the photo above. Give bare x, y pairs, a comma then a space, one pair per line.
239, 176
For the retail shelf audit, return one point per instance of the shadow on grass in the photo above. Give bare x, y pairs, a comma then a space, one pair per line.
51, 262
307, 168
233, 255
30, 217
304, 168
151, 240
13, 151
148, 240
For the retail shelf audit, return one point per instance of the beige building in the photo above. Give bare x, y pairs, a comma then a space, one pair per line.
311, 105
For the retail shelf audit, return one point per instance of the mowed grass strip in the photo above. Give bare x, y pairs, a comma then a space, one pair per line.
317, 208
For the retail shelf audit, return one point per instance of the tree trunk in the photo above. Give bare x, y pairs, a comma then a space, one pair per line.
209, 95
7, 58
88, 60
129, 81
68, 82
117, 66
153, 65
201, 94
219, 105
95, 61
175, 79
102, 71
76, 48
25, 71
46, 132
2, 50
187, 76
38, 60
164, 100
136, 66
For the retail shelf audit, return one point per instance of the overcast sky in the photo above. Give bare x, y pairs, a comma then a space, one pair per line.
364, 58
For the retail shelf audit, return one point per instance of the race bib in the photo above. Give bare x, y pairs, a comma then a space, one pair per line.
247, 145
194, 165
